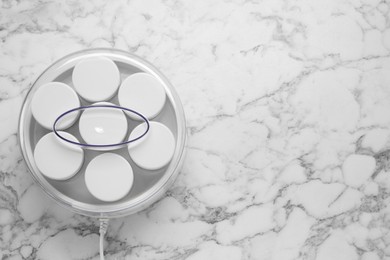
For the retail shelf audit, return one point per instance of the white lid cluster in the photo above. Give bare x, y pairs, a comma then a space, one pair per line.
108, 176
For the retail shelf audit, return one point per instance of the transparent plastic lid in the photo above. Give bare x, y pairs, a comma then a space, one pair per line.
149, 186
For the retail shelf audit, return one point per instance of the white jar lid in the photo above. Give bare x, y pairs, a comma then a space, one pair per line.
109, 177
103, 125
96, 79
50, 101
155, 150
143, 93
56, 159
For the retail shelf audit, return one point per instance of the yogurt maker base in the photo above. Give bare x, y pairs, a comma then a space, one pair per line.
149, 186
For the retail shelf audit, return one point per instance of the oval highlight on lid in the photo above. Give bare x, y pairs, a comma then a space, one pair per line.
95, 146
103, 126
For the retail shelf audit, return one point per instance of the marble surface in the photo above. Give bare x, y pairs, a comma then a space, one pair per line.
287, 105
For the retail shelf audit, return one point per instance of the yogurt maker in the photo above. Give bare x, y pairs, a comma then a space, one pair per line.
149, 185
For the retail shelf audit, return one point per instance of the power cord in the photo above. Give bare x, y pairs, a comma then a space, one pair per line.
102, 232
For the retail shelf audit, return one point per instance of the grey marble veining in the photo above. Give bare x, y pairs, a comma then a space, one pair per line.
287, 105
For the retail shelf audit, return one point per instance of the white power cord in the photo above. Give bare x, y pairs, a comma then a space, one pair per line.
102, 232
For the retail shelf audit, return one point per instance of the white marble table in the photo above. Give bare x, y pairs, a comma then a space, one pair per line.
287, 105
